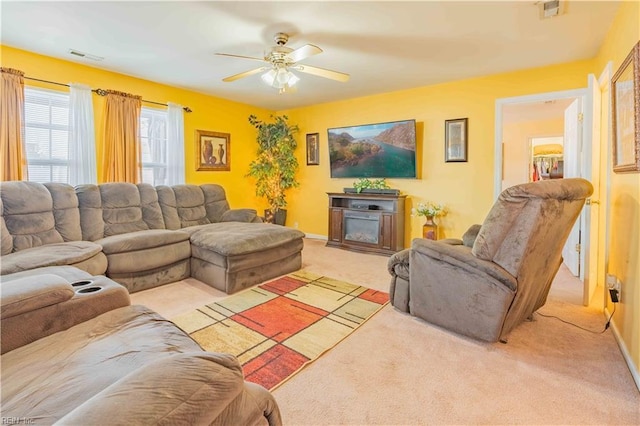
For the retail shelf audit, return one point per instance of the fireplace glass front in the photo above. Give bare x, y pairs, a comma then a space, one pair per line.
361, 227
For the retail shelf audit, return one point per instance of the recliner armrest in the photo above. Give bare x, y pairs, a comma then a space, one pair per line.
469, 237
28, 294
460, 256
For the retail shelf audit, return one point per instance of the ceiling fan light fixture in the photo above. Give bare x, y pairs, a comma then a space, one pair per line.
280, 78
283, 76
293, 79
269, 77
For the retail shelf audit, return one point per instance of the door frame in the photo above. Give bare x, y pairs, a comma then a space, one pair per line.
584, 156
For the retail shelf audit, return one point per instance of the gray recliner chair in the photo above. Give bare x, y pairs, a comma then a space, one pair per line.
500, 272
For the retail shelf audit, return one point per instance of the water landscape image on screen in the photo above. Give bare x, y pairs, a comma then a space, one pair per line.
374, 150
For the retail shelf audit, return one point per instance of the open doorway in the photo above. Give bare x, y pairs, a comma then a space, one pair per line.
539, 137
522, 125
546, 158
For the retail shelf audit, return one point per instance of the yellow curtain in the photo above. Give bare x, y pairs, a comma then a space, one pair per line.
121, 138
13, 158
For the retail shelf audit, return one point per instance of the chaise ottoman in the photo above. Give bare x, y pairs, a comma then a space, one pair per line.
231, 256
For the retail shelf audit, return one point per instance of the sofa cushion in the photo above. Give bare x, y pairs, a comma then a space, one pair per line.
5, 237
84, 360
121, 208
151, 212
28, 214
196, 388
65, 210
31, 293
90, 206
237, 238
215, 202
68, 273
142, 251
190, 205
141, 240
68, 253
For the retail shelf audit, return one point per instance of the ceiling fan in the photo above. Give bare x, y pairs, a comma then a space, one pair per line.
281, 60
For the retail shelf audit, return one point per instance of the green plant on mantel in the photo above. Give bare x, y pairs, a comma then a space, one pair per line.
364, 183
275, 165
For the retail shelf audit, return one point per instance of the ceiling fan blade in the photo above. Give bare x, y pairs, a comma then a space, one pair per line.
241, 57
304, 52
244, 74
321, 72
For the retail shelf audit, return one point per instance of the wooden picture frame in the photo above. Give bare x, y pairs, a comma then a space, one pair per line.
313, 149
455, 140
213, 151
625, 114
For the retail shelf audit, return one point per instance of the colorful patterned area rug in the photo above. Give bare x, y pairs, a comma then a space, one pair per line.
278, 327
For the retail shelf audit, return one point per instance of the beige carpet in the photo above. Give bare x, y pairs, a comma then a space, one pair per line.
398, 370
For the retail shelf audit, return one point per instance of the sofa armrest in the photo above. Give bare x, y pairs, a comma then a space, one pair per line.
459, 256
185, 388
239, 215
29, 294
47, 315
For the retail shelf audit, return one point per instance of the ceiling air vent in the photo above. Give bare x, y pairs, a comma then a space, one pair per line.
85, 55
550, 9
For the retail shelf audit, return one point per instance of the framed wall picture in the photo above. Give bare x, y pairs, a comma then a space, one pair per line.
455, 140
625, 114
313, 149
213, 151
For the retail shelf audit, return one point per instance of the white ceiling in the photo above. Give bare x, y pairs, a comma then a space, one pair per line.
384, 46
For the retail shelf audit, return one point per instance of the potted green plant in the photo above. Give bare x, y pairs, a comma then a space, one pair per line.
275, 165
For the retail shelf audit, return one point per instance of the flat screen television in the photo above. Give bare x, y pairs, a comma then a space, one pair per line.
382, 150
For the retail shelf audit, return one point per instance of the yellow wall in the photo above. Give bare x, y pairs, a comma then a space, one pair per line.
516, 138
209, 113
624, 217
466, 188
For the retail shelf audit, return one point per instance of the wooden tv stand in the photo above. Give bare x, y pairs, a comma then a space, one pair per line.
371, 223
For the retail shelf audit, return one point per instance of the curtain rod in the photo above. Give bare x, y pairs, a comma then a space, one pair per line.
102, 92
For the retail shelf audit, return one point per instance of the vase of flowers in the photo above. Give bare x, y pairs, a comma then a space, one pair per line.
430, 211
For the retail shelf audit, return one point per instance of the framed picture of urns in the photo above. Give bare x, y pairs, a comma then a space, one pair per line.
213, 151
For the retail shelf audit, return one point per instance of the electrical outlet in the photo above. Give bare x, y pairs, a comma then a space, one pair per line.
614, 285
295, 225
611, 281
618, 288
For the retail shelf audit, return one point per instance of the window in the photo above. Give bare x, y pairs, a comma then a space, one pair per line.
46, 134
153, 141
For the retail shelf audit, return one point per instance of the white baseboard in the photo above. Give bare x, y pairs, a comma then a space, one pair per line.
316, 236
625, 352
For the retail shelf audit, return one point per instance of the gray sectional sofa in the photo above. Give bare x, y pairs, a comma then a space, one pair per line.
74, 351
142, 236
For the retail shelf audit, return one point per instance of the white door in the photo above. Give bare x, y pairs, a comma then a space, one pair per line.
572, 151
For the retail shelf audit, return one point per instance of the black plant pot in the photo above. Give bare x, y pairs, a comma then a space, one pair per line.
279, 218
